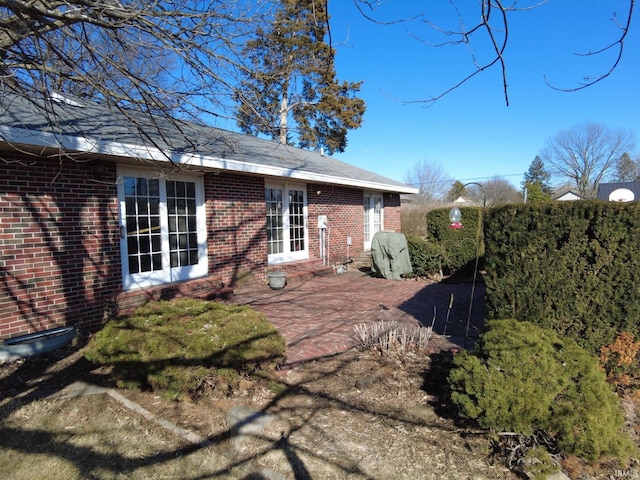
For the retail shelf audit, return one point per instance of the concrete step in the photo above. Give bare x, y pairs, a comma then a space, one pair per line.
362, 260
297, 276
220, 293
209, 288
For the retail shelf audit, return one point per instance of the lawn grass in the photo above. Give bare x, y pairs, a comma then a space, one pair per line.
180, 346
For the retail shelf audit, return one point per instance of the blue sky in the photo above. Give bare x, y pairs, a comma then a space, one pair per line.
471, 133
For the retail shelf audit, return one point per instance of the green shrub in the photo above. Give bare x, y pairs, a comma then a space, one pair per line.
173, 346
458, 247
524, 379
425, 257
539, 464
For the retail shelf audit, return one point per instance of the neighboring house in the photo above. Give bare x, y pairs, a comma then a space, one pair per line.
96, 217
567, 196
465, 202
619, 191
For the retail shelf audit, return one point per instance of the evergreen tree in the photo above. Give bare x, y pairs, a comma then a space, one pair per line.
627, 170
536, 182
292, 77
456, 191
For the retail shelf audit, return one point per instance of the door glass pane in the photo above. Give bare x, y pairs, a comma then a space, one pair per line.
171, 204
156, 242
275, 234
132, 245
296, 220
157, 261
142, 198
377, 214
367, 219
181, 203
145, 263
143, 206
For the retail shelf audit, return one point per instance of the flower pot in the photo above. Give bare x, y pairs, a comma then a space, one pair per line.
277, 280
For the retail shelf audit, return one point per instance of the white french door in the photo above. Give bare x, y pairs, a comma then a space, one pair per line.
162, 228
287, 236
373, 217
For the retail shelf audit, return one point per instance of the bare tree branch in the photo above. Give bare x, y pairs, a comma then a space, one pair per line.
431, 181
619, 44
492, 31
587, 154
164, 60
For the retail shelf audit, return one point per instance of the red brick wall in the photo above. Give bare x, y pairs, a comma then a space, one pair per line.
59, 260
59, 237
345, 217
344, 209
392, 212
236, 222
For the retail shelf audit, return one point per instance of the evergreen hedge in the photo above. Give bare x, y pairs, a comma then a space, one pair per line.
458, 246
425, 257
570, 266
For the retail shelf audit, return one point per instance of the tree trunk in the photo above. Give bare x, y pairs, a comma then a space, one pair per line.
284, 106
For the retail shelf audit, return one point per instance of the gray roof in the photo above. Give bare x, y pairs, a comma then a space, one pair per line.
606, 189
81, 126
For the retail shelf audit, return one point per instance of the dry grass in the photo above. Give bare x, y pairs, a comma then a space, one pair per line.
413, 219
355, 415
186, 346
89, 437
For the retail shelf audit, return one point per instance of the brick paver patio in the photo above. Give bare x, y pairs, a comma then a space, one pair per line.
317, 316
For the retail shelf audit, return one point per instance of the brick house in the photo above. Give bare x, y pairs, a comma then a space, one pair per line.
97, 217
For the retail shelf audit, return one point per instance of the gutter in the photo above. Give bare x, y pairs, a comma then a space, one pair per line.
70, 143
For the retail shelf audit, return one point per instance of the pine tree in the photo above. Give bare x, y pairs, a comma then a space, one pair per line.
627, 170
456, 191
536, 182
292, 77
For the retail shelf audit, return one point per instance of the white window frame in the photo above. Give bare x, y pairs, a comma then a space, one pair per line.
287, 255
368, 203
167, 274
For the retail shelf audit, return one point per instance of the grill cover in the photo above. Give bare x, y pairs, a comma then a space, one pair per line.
390, 255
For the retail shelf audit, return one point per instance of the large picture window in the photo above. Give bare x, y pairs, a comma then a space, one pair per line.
286, 223
163, 228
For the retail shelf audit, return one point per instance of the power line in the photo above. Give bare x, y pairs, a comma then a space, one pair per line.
491, 177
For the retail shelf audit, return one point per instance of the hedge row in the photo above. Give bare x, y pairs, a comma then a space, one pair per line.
573, 267
446, 250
